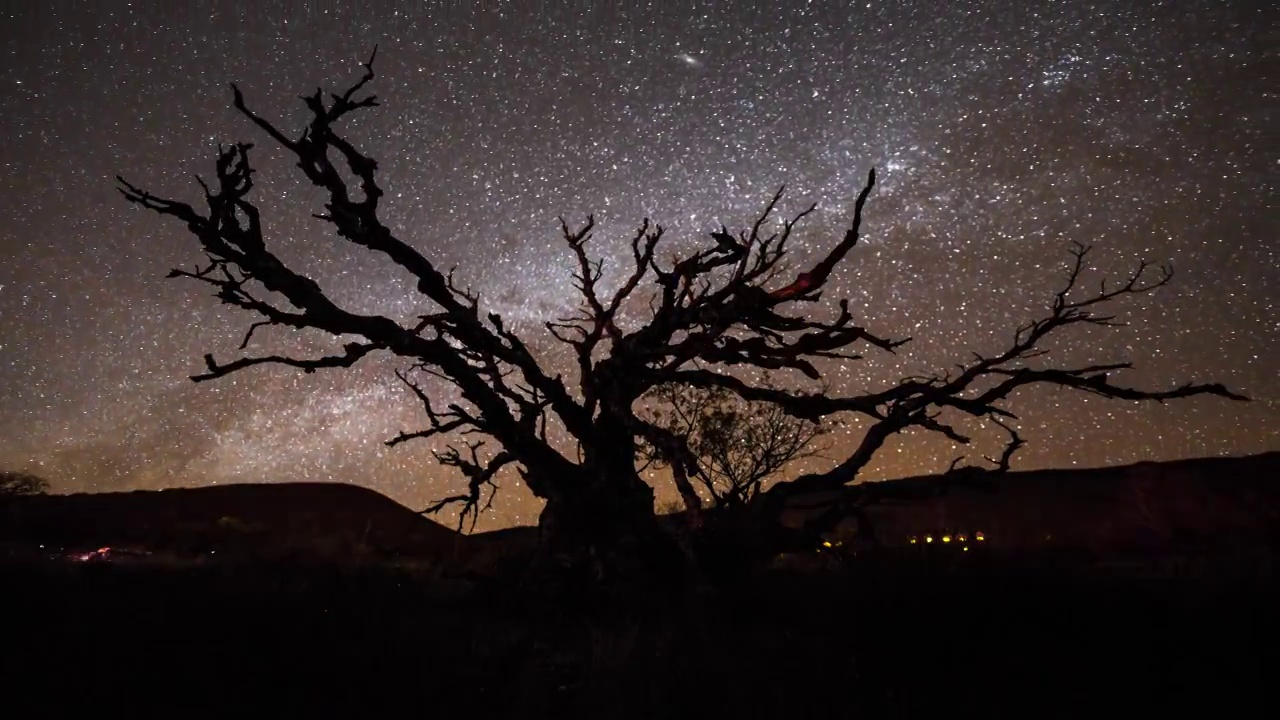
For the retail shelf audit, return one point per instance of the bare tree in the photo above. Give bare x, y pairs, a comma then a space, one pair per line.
21, 483
736, 445
689, 321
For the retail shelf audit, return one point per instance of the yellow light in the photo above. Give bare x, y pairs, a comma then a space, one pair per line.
946, 538
979, 537
960, 538
928, 538
826, 543
912, 541
966, 548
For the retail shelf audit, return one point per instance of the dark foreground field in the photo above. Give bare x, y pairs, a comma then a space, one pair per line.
896, 640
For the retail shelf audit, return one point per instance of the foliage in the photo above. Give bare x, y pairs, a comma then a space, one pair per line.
736, 444
21, 483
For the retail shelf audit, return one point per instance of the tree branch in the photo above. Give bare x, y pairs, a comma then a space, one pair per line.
479, 476
353, 353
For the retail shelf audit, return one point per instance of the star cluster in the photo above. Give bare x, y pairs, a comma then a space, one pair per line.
1001, 133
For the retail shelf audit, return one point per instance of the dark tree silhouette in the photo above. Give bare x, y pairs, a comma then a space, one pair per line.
21, 483
736, 445
689, 321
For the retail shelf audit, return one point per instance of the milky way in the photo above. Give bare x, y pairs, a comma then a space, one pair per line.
1001, 133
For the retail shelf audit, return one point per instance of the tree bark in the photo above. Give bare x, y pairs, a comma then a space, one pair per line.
603, 537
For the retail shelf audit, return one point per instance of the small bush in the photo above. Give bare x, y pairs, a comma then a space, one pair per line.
21, 483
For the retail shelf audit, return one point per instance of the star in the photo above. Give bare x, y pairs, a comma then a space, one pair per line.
998, 135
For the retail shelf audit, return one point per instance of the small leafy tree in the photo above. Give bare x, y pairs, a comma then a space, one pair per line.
21, 483
735, 445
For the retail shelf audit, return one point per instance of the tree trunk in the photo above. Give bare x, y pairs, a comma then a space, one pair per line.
602, 533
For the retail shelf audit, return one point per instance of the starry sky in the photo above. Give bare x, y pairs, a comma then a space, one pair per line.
1001, 132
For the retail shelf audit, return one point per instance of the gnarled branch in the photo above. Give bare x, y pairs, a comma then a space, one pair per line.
479, 476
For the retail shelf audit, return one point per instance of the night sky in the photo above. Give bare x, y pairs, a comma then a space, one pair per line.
1001, 132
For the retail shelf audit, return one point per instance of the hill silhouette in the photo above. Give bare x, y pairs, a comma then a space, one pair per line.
333, 521
1198, 503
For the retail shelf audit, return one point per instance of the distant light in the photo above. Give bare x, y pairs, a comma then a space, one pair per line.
960, 538
689, 60
946, 538
966, 548
912, 541
826, 543
928, 538
979, 537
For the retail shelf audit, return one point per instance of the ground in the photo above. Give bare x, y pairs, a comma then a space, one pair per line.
287, 620
873, 642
